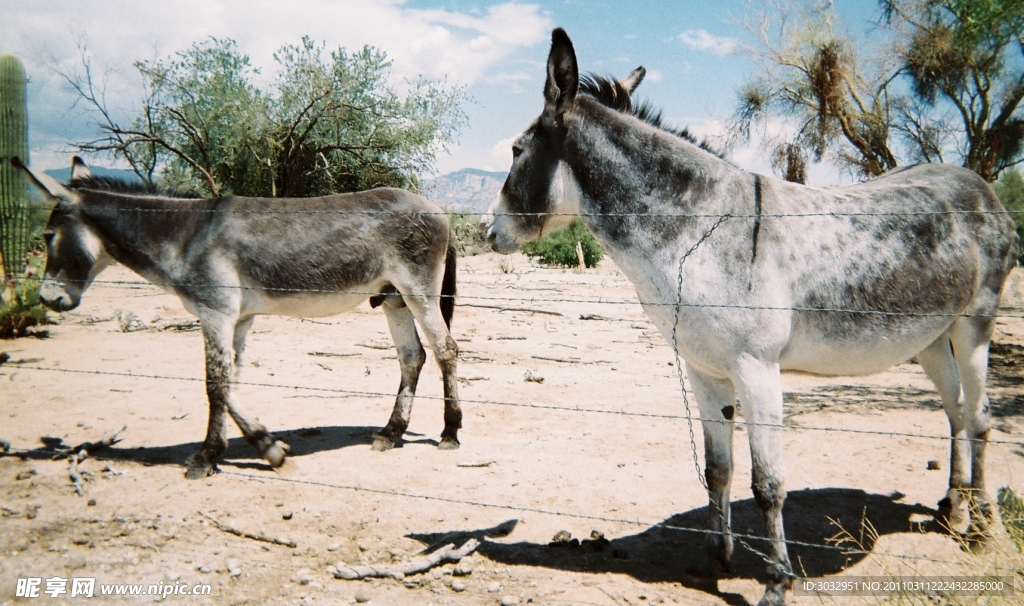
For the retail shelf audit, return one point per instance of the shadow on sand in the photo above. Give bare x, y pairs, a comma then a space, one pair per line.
303, 441
663, 555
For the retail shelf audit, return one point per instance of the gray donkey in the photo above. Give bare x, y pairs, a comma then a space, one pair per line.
230, 259
747, 276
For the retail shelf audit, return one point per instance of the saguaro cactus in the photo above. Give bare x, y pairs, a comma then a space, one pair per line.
14, 217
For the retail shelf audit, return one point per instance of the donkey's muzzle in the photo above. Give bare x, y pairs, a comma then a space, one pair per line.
56, 297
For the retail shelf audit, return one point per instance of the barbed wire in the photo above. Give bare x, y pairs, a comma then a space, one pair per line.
846, 550
555, 512
14, 364
463, 213
678, 304
372, 293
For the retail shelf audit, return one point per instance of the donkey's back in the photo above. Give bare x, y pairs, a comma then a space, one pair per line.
321, 256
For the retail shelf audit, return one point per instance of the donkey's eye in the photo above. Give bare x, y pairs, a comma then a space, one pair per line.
48, 237
516, 150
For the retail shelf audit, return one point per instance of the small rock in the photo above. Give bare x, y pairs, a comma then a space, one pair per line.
91, 503
334, 546
494, 587
458, 586
135, 561
463, 569
203, 568
562, 536
934, 465
303, 577
171, 576
362, 596
509, 601
234, 568
436, 574
532, 378
287, 515
363, 547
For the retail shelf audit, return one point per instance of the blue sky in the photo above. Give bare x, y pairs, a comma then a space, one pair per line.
692, 50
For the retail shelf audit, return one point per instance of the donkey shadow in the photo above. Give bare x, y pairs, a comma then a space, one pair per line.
240, 455
667, 553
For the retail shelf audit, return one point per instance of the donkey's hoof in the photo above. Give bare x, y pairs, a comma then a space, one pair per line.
382, 443
198, 466
951, 519
774, 595
772, 599
448, 444
275, 453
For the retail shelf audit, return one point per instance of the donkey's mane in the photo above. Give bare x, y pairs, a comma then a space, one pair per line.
121, 186
610, 93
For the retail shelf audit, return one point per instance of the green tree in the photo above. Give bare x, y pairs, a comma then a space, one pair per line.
811, 72
944, 84
324, 123
1010, 189
965, 56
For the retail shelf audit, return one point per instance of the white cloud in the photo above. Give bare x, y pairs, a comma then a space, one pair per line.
699, 39
654, 75
755, 155
513, 80
502, 152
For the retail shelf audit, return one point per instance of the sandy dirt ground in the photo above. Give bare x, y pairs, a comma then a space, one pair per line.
600, 444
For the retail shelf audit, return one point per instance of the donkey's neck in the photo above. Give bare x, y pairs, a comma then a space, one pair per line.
636, 180
146, 234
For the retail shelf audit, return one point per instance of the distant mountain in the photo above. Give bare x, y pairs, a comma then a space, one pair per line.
469, 189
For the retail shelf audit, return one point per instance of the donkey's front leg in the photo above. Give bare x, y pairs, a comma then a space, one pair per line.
218, 334
759, 388
410, 358
716, 399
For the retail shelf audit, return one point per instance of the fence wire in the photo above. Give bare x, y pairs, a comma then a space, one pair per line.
742, 538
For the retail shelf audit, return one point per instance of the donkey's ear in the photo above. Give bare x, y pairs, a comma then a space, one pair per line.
79, 170
633, 80
49, 186
563, 75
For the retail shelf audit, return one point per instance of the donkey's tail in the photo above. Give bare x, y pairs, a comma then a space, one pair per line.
448, 290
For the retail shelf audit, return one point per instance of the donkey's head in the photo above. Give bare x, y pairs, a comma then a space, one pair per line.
540, 194
74, 252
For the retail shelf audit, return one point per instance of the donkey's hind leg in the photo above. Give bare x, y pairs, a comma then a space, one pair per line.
428, 313
411, 358
971, 338
937, 362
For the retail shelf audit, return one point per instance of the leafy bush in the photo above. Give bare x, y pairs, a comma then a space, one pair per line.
559, 248
1011, 510
464, 229
20, 307
1010, 189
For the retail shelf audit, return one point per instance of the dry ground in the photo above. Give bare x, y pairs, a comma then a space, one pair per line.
552, 469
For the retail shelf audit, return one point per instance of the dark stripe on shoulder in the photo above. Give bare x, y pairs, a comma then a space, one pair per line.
757, 214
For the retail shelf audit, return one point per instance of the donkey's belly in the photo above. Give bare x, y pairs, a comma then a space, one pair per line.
305, 305
819, 355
